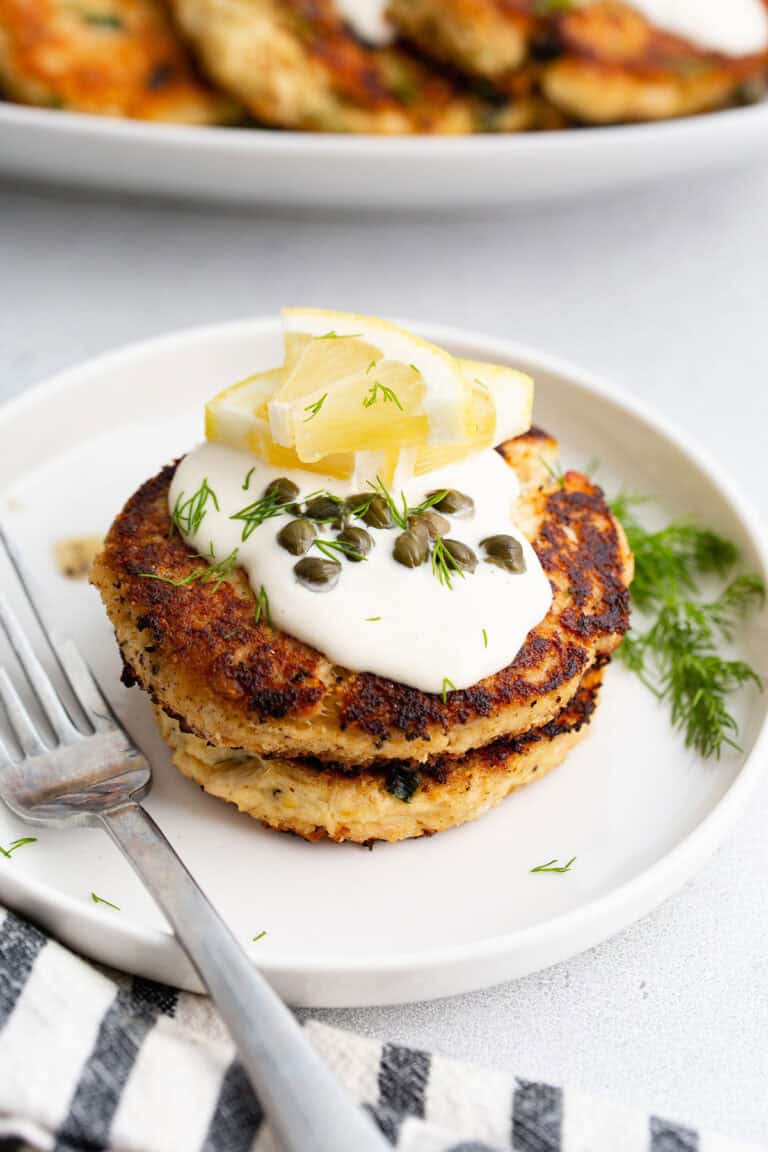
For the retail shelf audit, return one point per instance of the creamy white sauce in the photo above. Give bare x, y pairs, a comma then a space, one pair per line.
733, 27
367, 19
426, 633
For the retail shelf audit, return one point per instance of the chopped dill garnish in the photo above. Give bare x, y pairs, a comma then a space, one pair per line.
446, 685
217, 571
387, 395
262, 607
265, 508
372, 364
401, 512
677, 656
332, 548
485, 638
247, 481
339, 336
372, 619
259, 936
9, 851
415, 369
313, 409
553, 866
555, 471
100, 900
189, 514
444, 564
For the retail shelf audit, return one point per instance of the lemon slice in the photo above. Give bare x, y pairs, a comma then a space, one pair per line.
502, 406
237, 417
356, 383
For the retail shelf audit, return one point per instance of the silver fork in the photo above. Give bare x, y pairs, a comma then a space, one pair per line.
98, 778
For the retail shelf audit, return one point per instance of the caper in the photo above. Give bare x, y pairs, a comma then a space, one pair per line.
297, 536
324, 508
378, 514
282, 490
506, 552
358, 539
463, 556
454, 503
316, 574
435, 524
411, 549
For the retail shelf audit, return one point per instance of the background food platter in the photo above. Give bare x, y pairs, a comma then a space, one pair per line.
294, 169
409, 921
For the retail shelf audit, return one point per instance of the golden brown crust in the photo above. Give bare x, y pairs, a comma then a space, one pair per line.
613, 65
241, 684
108, 57
295, 64
314, 800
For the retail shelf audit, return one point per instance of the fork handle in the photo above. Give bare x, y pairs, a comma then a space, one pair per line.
307, 1108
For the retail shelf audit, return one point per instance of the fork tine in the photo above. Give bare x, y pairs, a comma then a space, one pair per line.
84, 686
55, 711
21, 722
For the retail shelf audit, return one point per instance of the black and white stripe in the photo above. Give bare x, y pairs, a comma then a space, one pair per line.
87, 1064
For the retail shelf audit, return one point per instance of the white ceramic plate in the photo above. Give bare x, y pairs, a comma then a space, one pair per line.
293, 168
409, 921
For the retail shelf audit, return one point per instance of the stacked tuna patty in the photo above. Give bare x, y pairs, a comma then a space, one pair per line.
266, 722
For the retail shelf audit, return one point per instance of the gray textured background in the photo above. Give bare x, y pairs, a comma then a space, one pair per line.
663, 292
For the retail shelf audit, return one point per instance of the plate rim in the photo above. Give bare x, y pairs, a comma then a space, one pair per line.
230, 139
648, 889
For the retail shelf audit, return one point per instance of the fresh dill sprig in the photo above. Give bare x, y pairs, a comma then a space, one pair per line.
444, 564
100, 900
262, 606
677, 656
553, 866
9, 851
331, 549
265, 508
446, 685
259, 936
485, 638
388, 395
247, 481
372, 364
189, 514
217, 571
313, 409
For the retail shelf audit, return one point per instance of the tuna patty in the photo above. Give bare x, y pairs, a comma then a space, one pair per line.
111, 57
199, 652
296, 64
396, 802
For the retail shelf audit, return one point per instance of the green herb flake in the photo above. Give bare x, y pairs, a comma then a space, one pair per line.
372, 619
401, 783
485, 638
103, 20
553, 866
247, 481
259, 936
331, 549
554, 470
262, 607
313, 409
388, 396
444, 564
100, 900
339, 335
265, 508
189, 514
16, 844
217, 572
446, 685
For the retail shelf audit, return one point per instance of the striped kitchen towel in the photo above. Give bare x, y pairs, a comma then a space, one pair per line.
91, 1061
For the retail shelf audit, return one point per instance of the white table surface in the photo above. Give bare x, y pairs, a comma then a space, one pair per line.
666, 293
